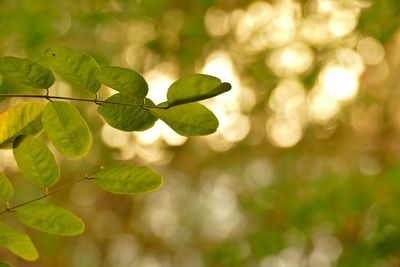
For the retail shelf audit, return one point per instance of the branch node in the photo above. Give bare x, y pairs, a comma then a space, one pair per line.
96, 100
48, 97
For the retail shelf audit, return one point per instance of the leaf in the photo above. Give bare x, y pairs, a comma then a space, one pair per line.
5, 264
23, 119
67, 129
125, 117
1, 80
50, 219
18, 243
123, 80
188, 119
36, 162
26, 72
6, 188
195, 87
128, 179
74, 66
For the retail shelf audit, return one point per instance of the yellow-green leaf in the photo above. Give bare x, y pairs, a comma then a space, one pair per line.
23, 119
127, 179
36, 161
50, 219
123, 80
26, 72
74, 66
195, 87
6, 188
67, 129
188, 119
125, 117
18, 243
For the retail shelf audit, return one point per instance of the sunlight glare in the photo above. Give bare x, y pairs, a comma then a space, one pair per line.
159, 79
322, 108
261, 13
325, 6
217, 22
244, 25
284, 132
113, 137
296, 58
342, 22
371, 50
339, 83
149, 136
233, 133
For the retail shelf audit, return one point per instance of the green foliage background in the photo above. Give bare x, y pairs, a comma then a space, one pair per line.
329, 200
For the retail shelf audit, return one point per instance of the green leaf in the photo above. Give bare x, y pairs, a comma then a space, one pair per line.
50, 219
26, 72
36, 162
125, 117
188, 119
195, 87
67, 129
5, 264
18, 243
127, 179
6, 188
23, 119
123, 80
1, 80
74, 66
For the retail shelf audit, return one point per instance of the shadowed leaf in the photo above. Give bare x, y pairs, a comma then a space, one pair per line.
125, 117
195, 87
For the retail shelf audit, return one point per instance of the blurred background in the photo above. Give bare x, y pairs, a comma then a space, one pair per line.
304, 170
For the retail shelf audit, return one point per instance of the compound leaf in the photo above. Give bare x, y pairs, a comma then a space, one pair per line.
50, 219
188, 119
74, 66
127, 179
195, 87
35, 161
123, 80
23, 119
129, 117
67, 129
26, 72
6, 188
18, 243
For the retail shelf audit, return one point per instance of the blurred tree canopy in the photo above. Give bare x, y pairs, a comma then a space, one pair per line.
305, 167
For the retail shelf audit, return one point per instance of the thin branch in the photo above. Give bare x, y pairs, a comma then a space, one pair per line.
96, 101
11, 209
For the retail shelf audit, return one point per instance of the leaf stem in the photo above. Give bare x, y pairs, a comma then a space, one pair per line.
46, 195
96, 101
